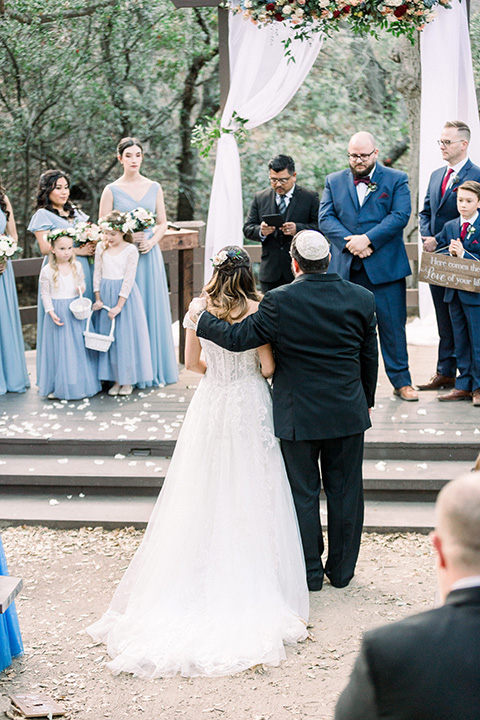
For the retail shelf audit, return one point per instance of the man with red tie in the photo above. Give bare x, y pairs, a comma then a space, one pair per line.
440, 207
363, 212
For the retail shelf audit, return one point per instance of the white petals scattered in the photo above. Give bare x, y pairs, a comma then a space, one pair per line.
99, 462
381, 465
422, 466
119, 456
422, 411
63, 461
53, 502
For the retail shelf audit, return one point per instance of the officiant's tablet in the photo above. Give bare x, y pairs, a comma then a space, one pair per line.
275, 220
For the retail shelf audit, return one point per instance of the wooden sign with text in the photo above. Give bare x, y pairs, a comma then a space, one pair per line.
451, 272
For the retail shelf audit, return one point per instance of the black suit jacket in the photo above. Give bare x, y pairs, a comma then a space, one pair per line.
302, 210
437, 210
322, 329
426, 667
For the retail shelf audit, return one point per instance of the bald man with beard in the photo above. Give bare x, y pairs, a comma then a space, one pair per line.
427, 667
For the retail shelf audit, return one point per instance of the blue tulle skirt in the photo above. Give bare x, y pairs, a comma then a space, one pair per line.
13, 369
10, 639
88, 270
128, 361
152, 283
67, 368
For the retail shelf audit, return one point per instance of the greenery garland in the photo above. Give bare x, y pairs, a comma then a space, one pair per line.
399, 17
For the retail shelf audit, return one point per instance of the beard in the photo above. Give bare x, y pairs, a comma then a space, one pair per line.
364, 171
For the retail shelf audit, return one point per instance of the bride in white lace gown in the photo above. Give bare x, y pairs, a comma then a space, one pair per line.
218, 584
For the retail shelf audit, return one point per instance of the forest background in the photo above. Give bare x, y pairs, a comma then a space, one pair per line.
75, 77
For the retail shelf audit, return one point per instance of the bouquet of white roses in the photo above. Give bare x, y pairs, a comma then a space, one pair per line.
87, 232
139, 220
8, 248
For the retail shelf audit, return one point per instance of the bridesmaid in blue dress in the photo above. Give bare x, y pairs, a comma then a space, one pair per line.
10, 639
13, 369
130, 191
54, 210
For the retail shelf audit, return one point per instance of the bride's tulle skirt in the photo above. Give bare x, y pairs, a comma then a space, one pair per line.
218, 583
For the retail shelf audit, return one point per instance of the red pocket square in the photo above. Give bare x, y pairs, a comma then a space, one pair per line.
474, 242
383, 195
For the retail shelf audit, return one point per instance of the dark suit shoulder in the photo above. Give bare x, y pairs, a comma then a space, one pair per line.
301, 191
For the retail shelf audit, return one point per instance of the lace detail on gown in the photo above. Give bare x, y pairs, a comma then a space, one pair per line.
218, 584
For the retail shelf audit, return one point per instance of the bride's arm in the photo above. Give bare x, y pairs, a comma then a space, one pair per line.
267, 361
193, 350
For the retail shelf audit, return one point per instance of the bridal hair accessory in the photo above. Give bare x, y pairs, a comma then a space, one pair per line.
225, 255
311, 245
53, 235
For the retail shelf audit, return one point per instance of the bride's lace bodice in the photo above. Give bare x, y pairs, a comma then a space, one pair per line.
225, 366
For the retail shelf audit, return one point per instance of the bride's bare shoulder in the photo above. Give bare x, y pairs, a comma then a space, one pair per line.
252, 307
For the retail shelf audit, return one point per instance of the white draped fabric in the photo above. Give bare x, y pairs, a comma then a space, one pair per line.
262, 83
448, 93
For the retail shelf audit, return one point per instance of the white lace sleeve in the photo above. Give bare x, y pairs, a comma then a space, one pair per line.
189, 324
46, 289
130, 272
80, 276
97, 273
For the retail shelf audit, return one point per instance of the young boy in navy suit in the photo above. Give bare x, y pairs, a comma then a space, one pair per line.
461, 238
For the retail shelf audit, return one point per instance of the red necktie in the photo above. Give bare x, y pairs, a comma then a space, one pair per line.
365, 180
464, 231
445, 180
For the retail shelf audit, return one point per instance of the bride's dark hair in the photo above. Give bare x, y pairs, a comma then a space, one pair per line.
232, 284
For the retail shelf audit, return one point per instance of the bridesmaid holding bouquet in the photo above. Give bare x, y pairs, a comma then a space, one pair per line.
13, 369
133, 192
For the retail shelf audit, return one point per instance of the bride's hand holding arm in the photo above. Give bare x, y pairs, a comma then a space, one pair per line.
193, 351
267, 361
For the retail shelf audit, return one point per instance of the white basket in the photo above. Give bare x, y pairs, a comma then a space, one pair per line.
81, 307
95, 341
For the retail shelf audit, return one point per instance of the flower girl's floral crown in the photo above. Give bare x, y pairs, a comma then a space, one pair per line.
123, 223
53, 235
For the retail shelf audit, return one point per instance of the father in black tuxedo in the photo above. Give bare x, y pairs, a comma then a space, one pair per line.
427, 667
322, 329
440, 206
299, 210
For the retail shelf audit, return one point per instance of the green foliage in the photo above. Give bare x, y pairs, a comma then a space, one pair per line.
209, 129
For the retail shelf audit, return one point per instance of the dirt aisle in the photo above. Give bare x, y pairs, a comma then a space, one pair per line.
69, 577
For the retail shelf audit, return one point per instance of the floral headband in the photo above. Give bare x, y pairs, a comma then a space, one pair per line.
124, 224
53, 235
220, 258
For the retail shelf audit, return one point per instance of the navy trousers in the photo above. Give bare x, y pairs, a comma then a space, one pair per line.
466, 330
391, 309
447, 362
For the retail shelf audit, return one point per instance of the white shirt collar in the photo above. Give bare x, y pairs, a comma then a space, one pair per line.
456, 168
472, 220
287, 196
466, 582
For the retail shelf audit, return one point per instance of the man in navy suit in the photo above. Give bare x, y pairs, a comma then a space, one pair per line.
299, 208
439, 207
363, 212
427, 667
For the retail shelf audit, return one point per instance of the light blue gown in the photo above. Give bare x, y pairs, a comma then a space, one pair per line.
152, 283
45, 220
13, 369
10, 638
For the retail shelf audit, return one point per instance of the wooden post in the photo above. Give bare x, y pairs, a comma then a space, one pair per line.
224, 58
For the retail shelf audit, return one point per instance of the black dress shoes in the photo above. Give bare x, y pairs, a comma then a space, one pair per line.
340, 583
438, 382
315, 583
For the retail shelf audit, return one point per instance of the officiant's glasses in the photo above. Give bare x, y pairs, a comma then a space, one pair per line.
279, 181
362, 156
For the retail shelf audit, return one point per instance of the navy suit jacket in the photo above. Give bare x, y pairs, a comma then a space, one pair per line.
471, 244
426, 667
382, 216
322, 329
437, 210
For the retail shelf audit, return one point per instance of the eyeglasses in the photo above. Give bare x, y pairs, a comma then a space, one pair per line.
446, 143
279, 181
362, 156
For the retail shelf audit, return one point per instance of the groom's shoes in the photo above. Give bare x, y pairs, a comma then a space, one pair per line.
315, 583
339, 583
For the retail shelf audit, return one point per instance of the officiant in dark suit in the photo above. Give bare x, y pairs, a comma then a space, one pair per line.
427, 667
299, 210
440, 206
323, 331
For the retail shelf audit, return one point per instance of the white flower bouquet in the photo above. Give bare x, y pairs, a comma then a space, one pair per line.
8, 248
139, 220
87, 232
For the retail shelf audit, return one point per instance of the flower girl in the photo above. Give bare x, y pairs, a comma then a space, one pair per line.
128, 361
68, 371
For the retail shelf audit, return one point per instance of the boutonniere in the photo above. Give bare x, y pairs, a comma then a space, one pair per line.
470, 232
371, 187
455, 180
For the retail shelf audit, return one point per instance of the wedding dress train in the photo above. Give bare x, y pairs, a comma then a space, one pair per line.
218, 584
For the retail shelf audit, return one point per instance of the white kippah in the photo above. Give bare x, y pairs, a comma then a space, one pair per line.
311, 245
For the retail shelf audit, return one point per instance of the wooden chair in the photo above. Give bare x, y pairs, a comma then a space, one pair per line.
9, 589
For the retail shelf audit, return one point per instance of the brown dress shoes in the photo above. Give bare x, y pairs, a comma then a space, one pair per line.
438, 382
407, 392
455, 394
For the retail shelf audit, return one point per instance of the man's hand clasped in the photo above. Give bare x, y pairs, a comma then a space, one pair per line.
359, 245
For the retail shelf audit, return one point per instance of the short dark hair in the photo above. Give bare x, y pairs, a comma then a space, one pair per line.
282, 162
309, 266
461, 127
473, 186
